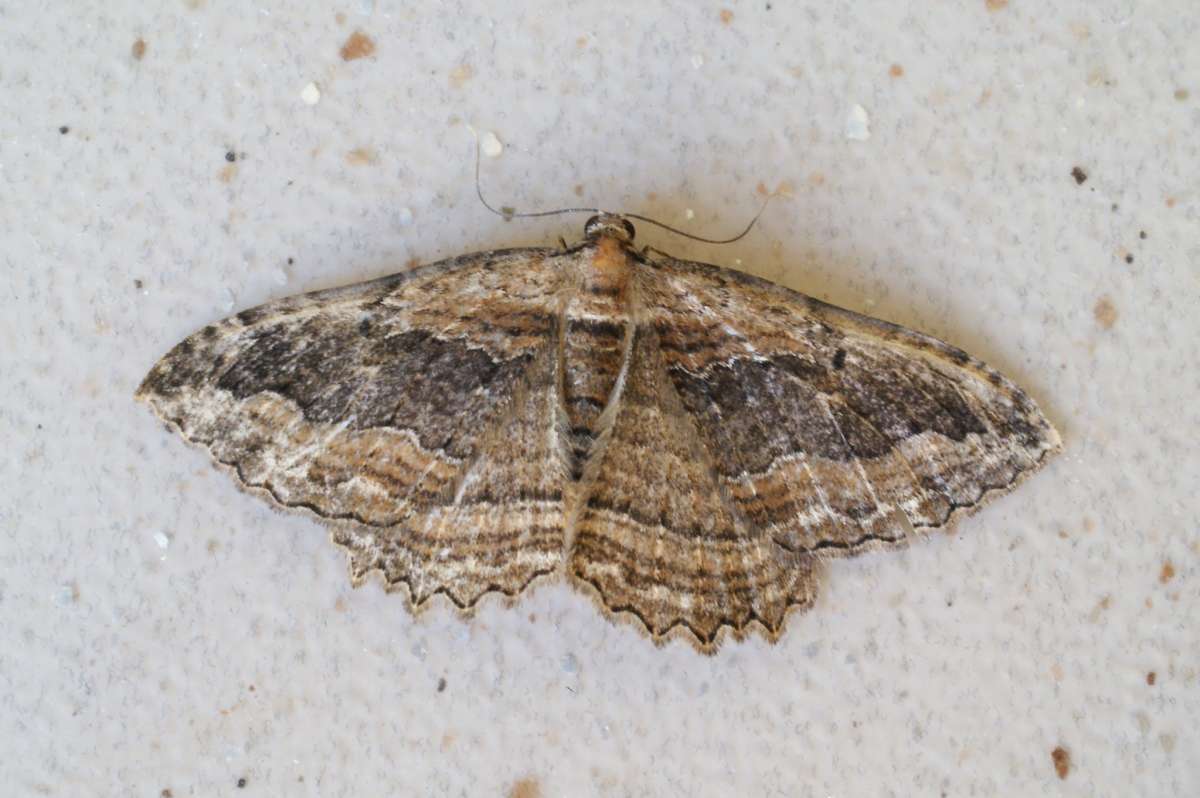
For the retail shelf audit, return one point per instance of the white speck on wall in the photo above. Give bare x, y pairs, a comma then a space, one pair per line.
279, 276
228, 300
697, 61
310, 94
491, 145
404, 216
162, 539
858, 124
66, 594
689, 214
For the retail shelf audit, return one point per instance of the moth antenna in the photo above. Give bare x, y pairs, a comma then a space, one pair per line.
678, 232
510, 213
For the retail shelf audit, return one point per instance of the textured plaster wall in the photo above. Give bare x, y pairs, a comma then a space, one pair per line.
163, 164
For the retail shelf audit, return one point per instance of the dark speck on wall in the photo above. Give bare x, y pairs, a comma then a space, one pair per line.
241, 783
1151, 678
1079, 175
64, 130
1062, 761
441, 685
1142, 234
1129, 258
231, 156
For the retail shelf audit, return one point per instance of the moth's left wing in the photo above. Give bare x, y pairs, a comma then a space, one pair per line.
416, 413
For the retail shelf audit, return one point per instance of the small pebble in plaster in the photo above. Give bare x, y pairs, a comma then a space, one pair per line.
1142, 234
227, 173
1170, 202
1079, 175
996, 5
1167, 573
67, 594
162, 539
138, 284
1105, 312
360, 156
138, 50
310, 94
1181, 94
578, 189
441, 687
526, 788
1062, 761
64, 130
359, 45
230, 156
491, 145
726, 16
1151, 678
1167, 741
896, 71
1128, 257
461, 74
858, 124
166, 793
241, 783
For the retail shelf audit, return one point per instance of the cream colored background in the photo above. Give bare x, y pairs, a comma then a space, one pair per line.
238, 650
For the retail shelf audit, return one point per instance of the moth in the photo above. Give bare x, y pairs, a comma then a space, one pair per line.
682, 442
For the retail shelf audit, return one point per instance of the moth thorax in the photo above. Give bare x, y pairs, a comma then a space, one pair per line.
609, 270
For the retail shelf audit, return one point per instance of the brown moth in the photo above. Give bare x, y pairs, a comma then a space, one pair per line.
681, 441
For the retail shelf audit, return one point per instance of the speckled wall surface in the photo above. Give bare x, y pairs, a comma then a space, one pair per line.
1015, 178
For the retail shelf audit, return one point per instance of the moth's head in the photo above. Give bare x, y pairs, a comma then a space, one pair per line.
608, 224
